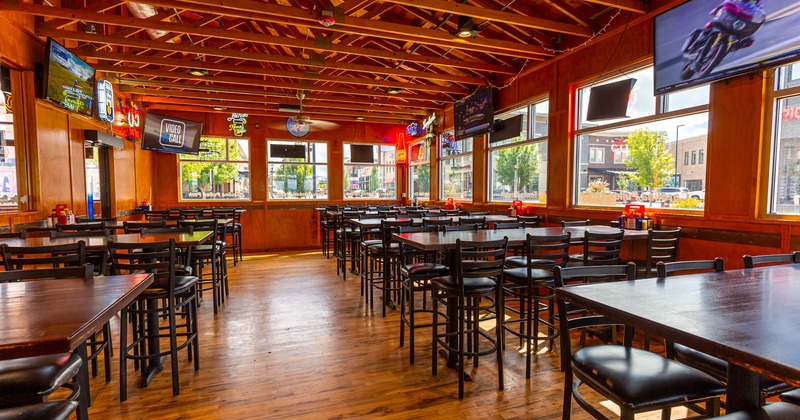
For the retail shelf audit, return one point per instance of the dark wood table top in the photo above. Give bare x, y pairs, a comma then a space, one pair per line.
53, 316
375, 223
442, 241
99, 243
748, 317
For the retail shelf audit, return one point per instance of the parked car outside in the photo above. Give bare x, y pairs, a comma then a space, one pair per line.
699, 195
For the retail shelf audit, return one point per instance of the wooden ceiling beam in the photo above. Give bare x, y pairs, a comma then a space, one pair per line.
246, 81
256, 111
496, 16
228, 53
97, 7
254, 9
579, 17
635, 6
318, 44
183, 63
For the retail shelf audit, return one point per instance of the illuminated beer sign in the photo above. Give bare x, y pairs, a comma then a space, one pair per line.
238, 124
105, 101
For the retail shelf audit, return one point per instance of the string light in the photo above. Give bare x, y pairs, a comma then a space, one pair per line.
591, 38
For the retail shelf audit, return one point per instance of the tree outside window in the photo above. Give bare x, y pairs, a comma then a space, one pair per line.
219, 172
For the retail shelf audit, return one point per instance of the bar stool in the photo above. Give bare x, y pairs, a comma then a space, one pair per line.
52, 410
211, 253
386, 256
30, 380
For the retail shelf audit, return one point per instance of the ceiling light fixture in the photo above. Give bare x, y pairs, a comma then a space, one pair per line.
394, 90
198, 72
360, 117
465, 28
219, 108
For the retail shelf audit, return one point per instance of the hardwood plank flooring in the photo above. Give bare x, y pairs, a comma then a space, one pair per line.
293, 340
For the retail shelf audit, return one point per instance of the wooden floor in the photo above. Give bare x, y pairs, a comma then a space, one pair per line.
295, 341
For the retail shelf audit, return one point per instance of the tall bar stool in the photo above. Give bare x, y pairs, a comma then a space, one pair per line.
417, 268
230, 230
171, 297
211, 253
386, 256
330, 224
348, 238
478, 272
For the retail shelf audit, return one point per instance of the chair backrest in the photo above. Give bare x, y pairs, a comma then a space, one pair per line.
460, 228
191, 213
75, 227
161, 214
666, 269
86, 219
510, 225
586, 274
80, 233
86, 271
569, 223
480, 221
475, 259
223, 213
209, 225
388, 213
417, 213
20, 257
478, 213
136, 227
662, 246
437, 222
602, 248
447, 212
13, 235
530, 221
547, 251
173, 229
390, 227
409, 254
371, 216
158, 258
751, 261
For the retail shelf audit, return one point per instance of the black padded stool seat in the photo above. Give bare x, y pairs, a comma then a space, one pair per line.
29, 379
53, 410
718, 368
626, 374
774, 411
471, 284
519, 275
522, 261
792, 396
424, 269
181, 282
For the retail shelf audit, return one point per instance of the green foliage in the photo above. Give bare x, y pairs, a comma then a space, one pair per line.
624, 181
689, 203
194, 170
374, 182
424, 178
522, 162
649, 157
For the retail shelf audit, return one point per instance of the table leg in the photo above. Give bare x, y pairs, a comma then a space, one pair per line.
84, 400
743, 390
154, 365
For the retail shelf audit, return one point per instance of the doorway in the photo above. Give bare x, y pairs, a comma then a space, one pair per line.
98, 181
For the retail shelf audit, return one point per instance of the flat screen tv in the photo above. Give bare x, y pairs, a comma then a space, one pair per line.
702, 41
68, 80
609, 101
170, 134
474, 115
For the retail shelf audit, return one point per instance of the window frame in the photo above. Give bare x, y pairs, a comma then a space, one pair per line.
326, 164
444, 159
659, 114
226, 160
392, 164
541, 141
423, 142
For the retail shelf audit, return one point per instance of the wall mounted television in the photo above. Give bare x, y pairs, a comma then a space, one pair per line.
474, 115
170, 134
703, 41
68, 80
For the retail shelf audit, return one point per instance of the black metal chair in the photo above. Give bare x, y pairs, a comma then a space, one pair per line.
771, 411
211, 253
384, 261
751, 261
530, 221
170, 296
526, 288
662, 246
230, 230
437, 222
634, 379
479, 221
714, 366
81, 227
86, 219
136, 227
417, 268
460, 228
51, 410
31, 380
577, 240
13, 235
478, 273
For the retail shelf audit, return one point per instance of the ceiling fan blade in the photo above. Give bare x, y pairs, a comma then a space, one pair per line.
320, 125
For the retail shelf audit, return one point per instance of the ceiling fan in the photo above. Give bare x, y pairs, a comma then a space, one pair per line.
300, 125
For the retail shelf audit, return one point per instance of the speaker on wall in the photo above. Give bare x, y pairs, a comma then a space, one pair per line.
609, 101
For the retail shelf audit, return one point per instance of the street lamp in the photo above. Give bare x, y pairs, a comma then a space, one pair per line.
675, 176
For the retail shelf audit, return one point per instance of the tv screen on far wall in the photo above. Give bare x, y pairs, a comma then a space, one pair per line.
702, 41
69, 81
474, 115
171, 135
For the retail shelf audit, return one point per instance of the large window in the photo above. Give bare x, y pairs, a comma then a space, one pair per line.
455, 167
297, 170
655, 149
419, 171
785, 180
221, 171
370, 171
518, 165
8, 155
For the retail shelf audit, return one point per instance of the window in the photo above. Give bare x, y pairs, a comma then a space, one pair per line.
700, 157
297, 170
518, 165
694, 157
658, 129
784, 188
8, 155
419, 171
596, 155
221, 171
455, 167
370, 171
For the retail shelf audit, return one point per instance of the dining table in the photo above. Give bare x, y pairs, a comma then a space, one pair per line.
55, 316
446, 242
417, 221
100, 243
747, 317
